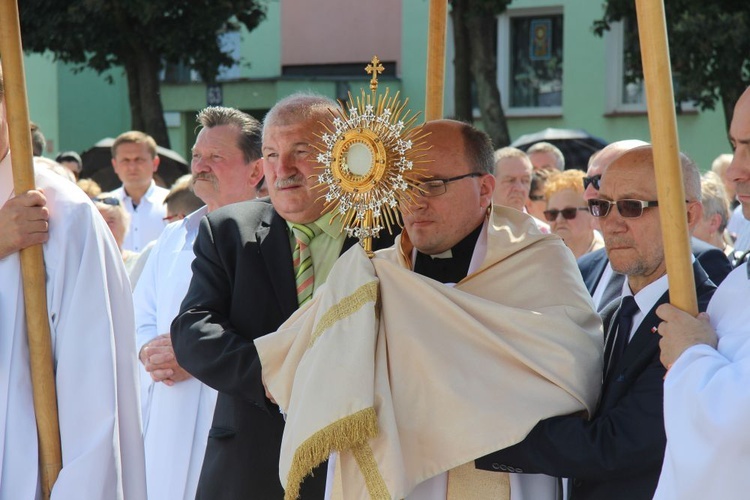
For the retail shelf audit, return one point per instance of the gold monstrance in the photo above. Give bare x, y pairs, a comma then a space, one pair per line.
368, 156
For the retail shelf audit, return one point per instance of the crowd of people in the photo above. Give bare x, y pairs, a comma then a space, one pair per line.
225, 339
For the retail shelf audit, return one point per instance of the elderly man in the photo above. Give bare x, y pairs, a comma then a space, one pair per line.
546, 156
706, 404
513, 171
417, 393
226, 165
618, 453
602, 282
512, 178
90, 312
712, 226
244, 286
135, 160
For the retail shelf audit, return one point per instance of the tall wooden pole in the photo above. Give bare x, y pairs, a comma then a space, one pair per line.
652, 30
32, 262
436, 59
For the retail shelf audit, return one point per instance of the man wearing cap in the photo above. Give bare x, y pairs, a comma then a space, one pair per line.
72, 161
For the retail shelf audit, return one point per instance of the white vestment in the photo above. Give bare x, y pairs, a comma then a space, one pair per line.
91, 323
176, 419
707, 405
146, 220
522, 486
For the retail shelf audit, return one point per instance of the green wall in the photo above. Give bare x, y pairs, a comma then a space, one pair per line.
75, 110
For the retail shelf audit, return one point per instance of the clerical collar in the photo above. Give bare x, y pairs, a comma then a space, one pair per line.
452, 265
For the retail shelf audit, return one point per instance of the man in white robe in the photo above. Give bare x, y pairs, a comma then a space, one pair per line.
178, 409
706, 400
91, 323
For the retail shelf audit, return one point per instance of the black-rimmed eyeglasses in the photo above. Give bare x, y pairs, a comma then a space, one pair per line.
629, 209
436, 187
568, 213
593, 180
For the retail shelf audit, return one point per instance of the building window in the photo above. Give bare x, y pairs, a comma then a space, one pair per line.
530, 61
626, 91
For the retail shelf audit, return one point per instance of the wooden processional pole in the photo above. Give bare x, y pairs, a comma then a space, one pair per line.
657, 73
32, 261
436, 59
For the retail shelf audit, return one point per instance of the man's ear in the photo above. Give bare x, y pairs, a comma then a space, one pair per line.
256, 172
486, 189
156, 161
694, 214
714, 222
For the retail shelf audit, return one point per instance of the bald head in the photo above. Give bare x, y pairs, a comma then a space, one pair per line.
600, 160
644, 155
739, 135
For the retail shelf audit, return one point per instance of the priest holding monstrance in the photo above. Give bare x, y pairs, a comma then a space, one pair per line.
412, 362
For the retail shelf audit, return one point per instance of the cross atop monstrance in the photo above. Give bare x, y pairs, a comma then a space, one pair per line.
374, 69
369, 156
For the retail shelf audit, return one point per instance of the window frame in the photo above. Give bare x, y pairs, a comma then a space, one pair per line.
504, 61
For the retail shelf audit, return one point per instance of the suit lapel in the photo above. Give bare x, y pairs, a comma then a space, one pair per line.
276, 252
594, 274
645, 343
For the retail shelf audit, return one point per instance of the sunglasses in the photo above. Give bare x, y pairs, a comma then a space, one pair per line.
536, 197
629, 209
567, 213
593, 180
108, 201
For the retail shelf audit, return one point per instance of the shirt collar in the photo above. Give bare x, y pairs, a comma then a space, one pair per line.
328, 223
649, 295
146, 196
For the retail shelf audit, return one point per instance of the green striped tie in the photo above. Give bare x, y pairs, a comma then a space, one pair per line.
303, 268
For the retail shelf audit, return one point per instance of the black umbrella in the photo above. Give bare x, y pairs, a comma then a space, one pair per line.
97, 165
576, 145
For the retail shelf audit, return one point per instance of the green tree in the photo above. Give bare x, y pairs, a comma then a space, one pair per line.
139, 36
709, 48
475, 40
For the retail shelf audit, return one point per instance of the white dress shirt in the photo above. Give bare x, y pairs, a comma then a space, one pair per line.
147, 219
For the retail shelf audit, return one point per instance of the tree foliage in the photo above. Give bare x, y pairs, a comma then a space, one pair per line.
709, 48
140, 36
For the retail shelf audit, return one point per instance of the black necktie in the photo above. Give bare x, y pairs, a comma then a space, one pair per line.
618, 339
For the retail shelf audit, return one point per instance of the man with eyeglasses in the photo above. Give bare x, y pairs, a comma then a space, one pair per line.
513, 174
602, 282
467, 327
90, 313
706, 403
618, 453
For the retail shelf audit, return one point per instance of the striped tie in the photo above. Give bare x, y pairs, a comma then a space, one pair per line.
303, 268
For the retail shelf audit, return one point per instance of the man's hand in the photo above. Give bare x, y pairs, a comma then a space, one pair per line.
679, 330
159, 361
23, 222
